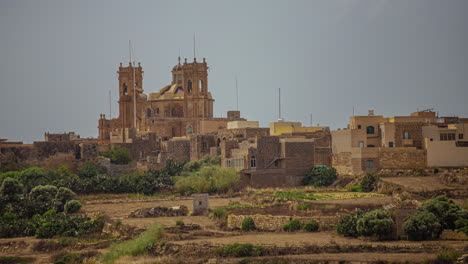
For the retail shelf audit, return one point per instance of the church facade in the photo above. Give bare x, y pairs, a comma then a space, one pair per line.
181, 108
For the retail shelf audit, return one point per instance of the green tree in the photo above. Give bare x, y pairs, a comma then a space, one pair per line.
445, 210
292, 225
72, 206
63, 196
422, 226
42, 198
248, 224
11, 195
375, 223
311, 226
320, 176
347, 225
118, 155
368, 183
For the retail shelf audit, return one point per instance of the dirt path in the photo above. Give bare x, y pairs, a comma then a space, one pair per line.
120, 209
319, 239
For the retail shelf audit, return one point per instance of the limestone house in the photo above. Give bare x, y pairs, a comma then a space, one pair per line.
274, 161
375, 142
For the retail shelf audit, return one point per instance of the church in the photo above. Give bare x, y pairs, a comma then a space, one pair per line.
181, 108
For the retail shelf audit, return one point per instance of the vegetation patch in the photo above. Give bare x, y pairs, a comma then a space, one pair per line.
15, 260
239, 251
141, 245
248, 224
292, 225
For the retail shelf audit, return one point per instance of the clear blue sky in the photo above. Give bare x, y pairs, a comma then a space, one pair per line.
58, 59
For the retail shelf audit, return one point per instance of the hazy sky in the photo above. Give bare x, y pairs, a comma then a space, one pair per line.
58, 59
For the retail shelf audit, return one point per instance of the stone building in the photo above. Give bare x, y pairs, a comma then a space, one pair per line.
274, 161
374, 142
181, 108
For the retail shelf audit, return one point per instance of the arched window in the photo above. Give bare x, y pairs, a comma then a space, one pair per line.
370, 130
253, 162
157, 111
125, 89
189, 86
148, 112
200, 84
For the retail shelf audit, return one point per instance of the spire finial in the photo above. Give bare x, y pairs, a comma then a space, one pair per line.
179, 60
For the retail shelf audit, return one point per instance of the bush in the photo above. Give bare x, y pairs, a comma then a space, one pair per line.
368, 183
375, 223
446, 211
211, 179
11, 196
321, 176
292, 225
239, 251
356, 189
462, 225
311, 226
448, 257
347, 225
63, 196
422, 226
13, 226
180, 223
302, 207
42, 198
72, 206
248, 224
218, 213
118, 155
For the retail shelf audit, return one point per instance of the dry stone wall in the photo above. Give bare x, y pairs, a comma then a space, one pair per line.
276, 222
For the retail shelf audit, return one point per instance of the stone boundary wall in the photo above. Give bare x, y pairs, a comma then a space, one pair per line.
276, 222
402, 158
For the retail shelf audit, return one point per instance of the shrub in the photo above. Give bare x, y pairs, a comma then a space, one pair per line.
42, 198
11, 196
462, 225
34, 176
180, 223
368, 183
302, 207
218, 213
375, 223
72, 206
422, 226
292, 225
321, 176
347, 225
448, 257
239, 251
212, 179
248, 224
356, 189
118, 155
63, 196
13, 226
311, 226
446, 211
52, 224
138, 246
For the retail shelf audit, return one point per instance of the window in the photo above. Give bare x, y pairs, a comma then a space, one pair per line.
447, 136
125, 89
361, 144
358, 126
157, 111
253, 162
390, 144
460, 136
201, 85
370, 164
406, 135
189, 86
370, 130
148, 112
370, 146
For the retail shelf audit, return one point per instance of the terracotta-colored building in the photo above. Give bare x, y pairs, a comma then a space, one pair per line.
181, 108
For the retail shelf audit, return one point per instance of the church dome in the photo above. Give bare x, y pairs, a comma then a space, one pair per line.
178, 67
